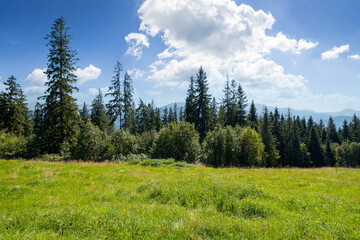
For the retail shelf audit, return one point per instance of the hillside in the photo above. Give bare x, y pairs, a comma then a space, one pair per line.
47, 200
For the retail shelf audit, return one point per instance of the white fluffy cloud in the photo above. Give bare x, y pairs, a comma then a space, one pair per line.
334, 52
87, 74
136, 73
224, 37
356, 57
136, 43
38, 76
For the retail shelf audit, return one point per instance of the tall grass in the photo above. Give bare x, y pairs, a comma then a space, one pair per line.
48, 200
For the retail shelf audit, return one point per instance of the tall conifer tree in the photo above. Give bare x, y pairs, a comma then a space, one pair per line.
60, 110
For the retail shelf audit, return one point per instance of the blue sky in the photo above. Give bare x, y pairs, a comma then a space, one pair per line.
300, 54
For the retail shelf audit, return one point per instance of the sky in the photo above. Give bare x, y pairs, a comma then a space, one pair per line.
300, 54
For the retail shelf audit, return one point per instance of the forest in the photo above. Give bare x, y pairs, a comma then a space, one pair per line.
214, 132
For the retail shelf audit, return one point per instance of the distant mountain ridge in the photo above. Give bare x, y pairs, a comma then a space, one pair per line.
338, 117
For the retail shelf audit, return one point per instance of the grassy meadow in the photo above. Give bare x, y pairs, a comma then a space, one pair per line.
48, 200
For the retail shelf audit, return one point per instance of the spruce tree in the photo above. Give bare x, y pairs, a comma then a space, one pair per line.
129, 110
269, 141
115, 105
175, 113
330, 159
84, 113
241, 106
15, 114
190, 102
252, 117
315, 149
98, 114
345, 134
165, 116
203, 98
60, 110
331, 131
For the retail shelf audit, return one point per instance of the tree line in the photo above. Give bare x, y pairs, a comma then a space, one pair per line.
218, 133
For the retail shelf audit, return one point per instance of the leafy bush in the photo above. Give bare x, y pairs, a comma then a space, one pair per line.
228, 146
123, 143
146, 142
91, 145
12, 145
179, 141
348, 154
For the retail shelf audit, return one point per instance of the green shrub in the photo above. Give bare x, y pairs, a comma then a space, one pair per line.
123, 143
348, 154
179, 141
12, 145
92, 144
228, 146
146, 142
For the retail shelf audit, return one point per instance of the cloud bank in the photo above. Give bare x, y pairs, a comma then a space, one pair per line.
224, 37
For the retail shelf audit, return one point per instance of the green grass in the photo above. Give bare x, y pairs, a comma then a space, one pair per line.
48, 200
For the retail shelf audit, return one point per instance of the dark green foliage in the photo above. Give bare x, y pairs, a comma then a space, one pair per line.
116, 104
129, 109
228, 146
146, 142
98, 114
60, 110
252, 117
123, 143
348, 154
331, 131
179, 141
203, 98
354, 128
315, 149
241, 106
14, 116
345, 133
11, 145
190, 103
84, 113
330, 158
92, 144
271, 153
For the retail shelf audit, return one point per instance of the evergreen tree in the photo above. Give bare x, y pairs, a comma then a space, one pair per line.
355, 129
331, 131
241, 106
98, 114
345, 134
269, 141
60, 110
15, 114
252, 117
175, 116
330, 159
190, 102
213, 113
315, 149
181, 115
203, 99
115, 105
165, 117
84, 113
170, 115
129, 109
